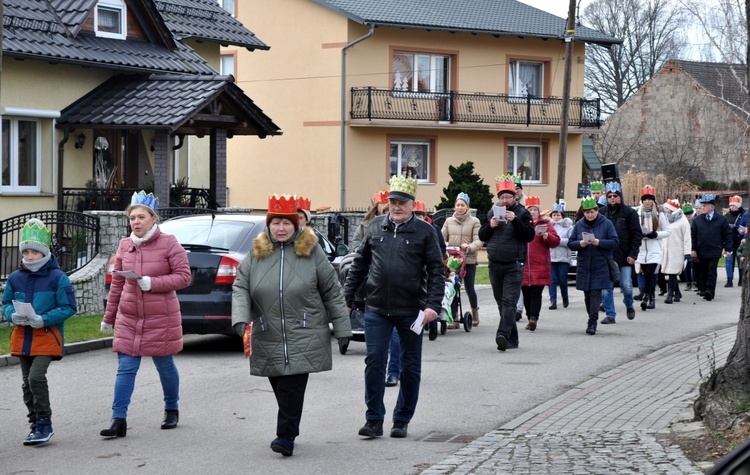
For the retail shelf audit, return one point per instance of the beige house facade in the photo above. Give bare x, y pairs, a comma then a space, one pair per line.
365, 90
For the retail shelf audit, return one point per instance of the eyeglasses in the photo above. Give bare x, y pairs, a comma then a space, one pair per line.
613, 196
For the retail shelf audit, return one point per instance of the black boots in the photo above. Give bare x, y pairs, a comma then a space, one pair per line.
644, 301
591, 328
639, 296
171, 417
651, 301
118, 428
670, 296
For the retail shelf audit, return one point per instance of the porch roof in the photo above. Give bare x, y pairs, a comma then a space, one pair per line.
184, 104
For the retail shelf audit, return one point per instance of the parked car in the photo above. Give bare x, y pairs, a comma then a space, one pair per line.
216, 244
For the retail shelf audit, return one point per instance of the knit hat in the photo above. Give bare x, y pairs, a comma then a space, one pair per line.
303, 204
419, 208
505, 184
284, 206
589, 202
35, 235
672, 205
463, 196
534, 201
735, 200
687, 208
402, 188
648, 193
708, 198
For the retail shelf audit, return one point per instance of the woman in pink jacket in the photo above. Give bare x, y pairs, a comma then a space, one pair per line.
142, 306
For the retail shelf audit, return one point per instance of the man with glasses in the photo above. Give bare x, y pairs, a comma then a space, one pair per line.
628, 228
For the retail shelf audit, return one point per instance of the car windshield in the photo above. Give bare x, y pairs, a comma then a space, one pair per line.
217, 234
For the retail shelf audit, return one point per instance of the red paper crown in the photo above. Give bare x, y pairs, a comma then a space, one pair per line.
303, 203
672, 205
380, 197
533, 201
505, 183
282, 205
648, 190
419, 207
735, 200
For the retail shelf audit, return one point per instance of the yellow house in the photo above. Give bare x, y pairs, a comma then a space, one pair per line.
367, 89
102, 97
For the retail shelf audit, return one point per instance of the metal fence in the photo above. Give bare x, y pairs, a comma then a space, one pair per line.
75, 239
117, 199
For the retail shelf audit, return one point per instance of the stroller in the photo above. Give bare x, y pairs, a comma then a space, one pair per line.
357, 315
452, 311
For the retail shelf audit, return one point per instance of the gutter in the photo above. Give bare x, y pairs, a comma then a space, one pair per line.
343, 112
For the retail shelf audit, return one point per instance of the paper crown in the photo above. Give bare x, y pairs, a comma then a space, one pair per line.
463, 196
698, 203
533, 201
648, 190
35, 235
672, 205
142, 199
735, 200
596, 186
454, 263
558, 208
505, 184
687, 208
602, 200
613, 187
419, 207
284, 205
708, 198
402, 188
303, 203
589, 202
380, 197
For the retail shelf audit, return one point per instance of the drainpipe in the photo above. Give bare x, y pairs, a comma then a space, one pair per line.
343, 111
60, 160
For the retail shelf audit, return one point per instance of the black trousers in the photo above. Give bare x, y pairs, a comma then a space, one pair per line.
506, 281
649, 274
706, 273
290, 397
592, 299
532, 300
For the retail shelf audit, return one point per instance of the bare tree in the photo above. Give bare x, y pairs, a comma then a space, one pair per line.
652, 33
721, 29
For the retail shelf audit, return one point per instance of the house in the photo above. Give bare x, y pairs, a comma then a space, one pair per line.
102, 97
690, 121
368, 89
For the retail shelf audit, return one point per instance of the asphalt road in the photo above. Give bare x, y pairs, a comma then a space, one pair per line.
227, 417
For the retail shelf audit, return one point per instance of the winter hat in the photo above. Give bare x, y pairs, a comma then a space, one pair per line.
303, 204
35, 235
672, 205
505, 184
735, 200
284, 206
463, 196
402, 188
687, 208
648, 193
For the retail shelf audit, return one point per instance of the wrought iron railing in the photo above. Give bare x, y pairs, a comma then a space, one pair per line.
75, 239
452, 107
117, 199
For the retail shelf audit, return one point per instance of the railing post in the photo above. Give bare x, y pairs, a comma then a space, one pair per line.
369, 103
451, 105
528, 110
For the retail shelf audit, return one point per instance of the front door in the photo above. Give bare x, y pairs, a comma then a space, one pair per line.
115, 159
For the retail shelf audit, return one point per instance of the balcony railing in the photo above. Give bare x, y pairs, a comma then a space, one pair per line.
453, 107
117, 199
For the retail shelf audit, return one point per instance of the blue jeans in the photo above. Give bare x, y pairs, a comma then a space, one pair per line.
626, 285
127, 369
729, 266
378, 331
394, 360
559, 277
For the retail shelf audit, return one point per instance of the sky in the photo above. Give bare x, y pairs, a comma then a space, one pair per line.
556, 7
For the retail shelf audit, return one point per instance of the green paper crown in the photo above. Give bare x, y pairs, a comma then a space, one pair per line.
589, 202
454, 263
403, 184
36, 231
596, 186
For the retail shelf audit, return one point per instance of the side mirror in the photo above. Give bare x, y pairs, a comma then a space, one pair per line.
341, 249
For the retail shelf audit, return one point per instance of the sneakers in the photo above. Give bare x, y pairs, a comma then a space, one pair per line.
631, 313
399, 429
42, 433
532, 324
283, 446
501, 342
608, 320
372, 429
31, 434
553, 306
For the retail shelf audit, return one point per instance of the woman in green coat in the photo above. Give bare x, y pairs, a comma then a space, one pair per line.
289, 293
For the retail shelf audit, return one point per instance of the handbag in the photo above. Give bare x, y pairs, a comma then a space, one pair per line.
614, 270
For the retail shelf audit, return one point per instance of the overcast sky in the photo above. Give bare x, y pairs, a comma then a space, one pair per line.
556, 7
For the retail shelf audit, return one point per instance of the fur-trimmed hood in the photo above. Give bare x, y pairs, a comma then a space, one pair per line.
304, 243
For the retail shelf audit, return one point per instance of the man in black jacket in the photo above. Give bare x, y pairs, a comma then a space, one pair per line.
507, 239
710, 233
734, 216
628, 228
400, 263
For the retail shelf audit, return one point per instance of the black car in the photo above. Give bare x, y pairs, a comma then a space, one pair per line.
216, 244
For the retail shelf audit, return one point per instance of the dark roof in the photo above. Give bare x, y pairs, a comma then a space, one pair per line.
189, 104
206, 20
590, 158
723, 80
497, 17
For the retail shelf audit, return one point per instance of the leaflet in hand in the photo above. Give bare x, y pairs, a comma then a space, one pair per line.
499, 211
23, 309
128, 274
587, 237
418, 324
541, 229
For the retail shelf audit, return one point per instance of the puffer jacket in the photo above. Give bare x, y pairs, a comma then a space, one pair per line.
506, 243
464, 229
53, 298
290, 293
651, 250
562, 253
677, 245
148, 323
592, 271
401, 266
628, 228
538, 269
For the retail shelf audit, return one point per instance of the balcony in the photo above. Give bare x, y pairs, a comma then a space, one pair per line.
455, 107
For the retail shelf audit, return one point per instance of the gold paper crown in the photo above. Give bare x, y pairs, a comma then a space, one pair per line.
533, 201
402, 184
505, 183
282, 205
380, 197
589, 202
303, 203
419, 207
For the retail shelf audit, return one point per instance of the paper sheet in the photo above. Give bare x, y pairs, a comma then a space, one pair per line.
23, 309
128, 274
499, 211
587, 237
541, 229
418, 324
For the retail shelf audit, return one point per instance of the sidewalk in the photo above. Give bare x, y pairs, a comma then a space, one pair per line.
609, 424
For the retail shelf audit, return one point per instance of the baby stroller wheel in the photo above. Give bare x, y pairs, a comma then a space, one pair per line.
467, 322
443, 327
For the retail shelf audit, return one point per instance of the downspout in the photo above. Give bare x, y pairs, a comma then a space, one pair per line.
343, 111
60, 157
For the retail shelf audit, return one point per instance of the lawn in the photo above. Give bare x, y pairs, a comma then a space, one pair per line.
482, 276
76, 329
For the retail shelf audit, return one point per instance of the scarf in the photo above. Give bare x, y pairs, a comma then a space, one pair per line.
138, 241
461, 218
38, 264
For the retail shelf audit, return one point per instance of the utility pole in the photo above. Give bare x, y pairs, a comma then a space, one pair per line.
563, 151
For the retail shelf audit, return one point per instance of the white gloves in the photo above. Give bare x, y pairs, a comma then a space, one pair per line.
19, 319
106, 328
36, 321
145, 283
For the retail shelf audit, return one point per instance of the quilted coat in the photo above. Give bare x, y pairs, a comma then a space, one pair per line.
652, 248
290, 293
464, 229
148, 323
538, 269
677, 245
593, 267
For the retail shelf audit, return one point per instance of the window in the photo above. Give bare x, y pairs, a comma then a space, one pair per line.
20, 155
227, 5
421, 72
526, 79
110, 19
411, 158
525, 160
226, 67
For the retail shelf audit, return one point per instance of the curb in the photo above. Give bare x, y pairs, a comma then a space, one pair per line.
69, 349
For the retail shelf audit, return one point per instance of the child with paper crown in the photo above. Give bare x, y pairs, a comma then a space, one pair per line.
37, 338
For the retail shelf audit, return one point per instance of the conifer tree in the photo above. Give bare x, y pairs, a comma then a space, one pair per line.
463, 179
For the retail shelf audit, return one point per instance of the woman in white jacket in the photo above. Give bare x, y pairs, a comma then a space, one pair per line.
655, 227
676, 249
560, 257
